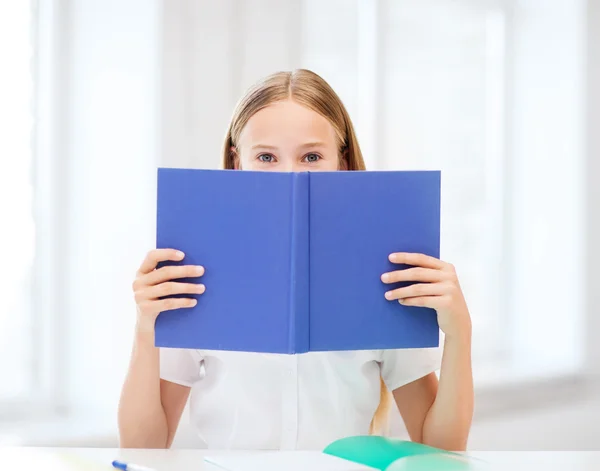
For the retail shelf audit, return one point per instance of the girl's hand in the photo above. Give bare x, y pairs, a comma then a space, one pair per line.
151, 284
437, 287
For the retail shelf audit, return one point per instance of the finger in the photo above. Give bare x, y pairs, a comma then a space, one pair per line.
417, 260
414, 274
416, 290
432, 302
173, 272
159, 255
168, 304
170, 289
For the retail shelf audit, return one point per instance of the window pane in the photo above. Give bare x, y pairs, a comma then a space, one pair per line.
431, 99
17, 237
440, 87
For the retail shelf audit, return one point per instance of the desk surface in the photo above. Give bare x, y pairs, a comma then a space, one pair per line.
100, 459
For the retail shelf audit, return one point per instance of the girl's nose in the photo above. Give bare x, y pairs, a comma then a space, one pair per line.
289, 165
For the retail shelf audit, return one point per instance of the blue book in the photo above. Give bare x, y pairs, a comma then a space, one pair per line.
293, 260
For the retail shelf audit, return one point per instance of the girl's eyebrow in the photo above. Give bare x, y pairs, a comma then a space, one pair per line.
303, 146
313, 144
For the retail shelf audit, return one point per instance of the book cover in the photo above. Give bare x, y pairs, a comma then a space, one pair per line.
293, 260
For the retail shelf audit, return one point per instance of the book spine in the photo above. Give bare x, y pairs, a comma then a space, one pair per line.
299, 264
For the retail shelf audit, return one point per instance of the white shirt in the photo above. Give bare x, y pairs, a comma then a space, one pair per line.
269, 401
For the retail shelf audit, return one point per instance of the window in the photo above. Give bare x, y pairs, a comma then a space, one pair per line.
442, 78
488, 91
18, 234
424, 81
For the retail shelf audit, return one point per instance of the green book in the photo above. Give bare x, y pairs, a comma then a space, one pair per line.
388, 454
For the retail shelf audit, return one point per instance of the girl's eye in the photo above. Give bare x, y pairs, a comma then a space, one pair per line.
267, 158
312, 157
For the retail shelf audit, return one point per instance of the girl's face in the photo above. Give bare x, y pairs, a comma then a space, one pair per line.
287, 137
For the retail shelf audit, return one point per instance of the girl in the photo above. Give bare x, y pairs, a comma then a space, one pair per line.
295, 122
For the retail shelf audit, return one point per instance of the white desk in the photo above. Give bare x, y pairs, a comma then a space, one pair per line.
192, 460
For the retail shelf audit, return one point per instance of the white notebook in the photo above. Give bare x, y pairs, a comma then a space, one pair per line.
283, 460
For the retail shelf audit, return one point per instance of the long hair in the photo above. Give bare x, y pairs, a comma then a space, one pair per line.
312, 91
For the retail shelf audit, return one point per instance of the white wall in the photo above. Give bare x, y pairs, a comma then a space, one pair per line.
566, 425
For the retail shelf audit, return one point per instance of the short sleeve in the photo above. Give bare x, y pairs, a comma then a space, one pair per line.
403, 366
179, 365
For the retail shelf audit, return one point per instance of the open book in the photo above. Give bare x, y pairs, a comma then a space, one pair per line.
293, 260
362, 453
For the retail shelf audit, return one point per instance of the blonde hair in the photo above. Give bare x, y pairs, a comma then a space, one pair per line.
312, 91
307, 89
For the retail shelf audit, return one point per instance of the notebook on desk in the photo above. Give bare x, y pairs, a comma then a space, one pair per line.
293, 260
359, 453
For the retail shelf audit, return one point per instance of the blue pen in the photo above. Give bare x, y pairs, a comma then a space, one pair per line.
129, 466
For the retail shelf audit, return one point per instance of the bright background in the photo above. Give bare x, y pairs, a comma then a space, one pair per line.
502, 95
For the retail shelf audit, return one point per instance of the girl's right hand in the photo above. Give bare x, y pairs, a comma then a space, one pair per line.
151, 284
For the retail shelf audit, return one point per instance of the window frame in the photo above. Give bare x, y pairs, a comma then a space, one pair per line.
47, 399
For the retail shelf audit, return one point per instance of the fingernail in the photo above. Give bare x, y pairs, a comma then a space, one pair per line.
180, 254
193, 302
201, 288
199, 270
388, 295
401, 301
385, 277
392, 257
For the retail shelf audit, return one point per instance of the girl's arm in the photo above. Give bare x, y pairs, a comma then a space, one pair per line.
150, 408
440, 414
437, 414
449, 419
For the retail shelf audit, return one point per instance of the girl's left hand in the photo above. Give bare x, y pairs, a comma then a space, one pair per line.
437, 287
